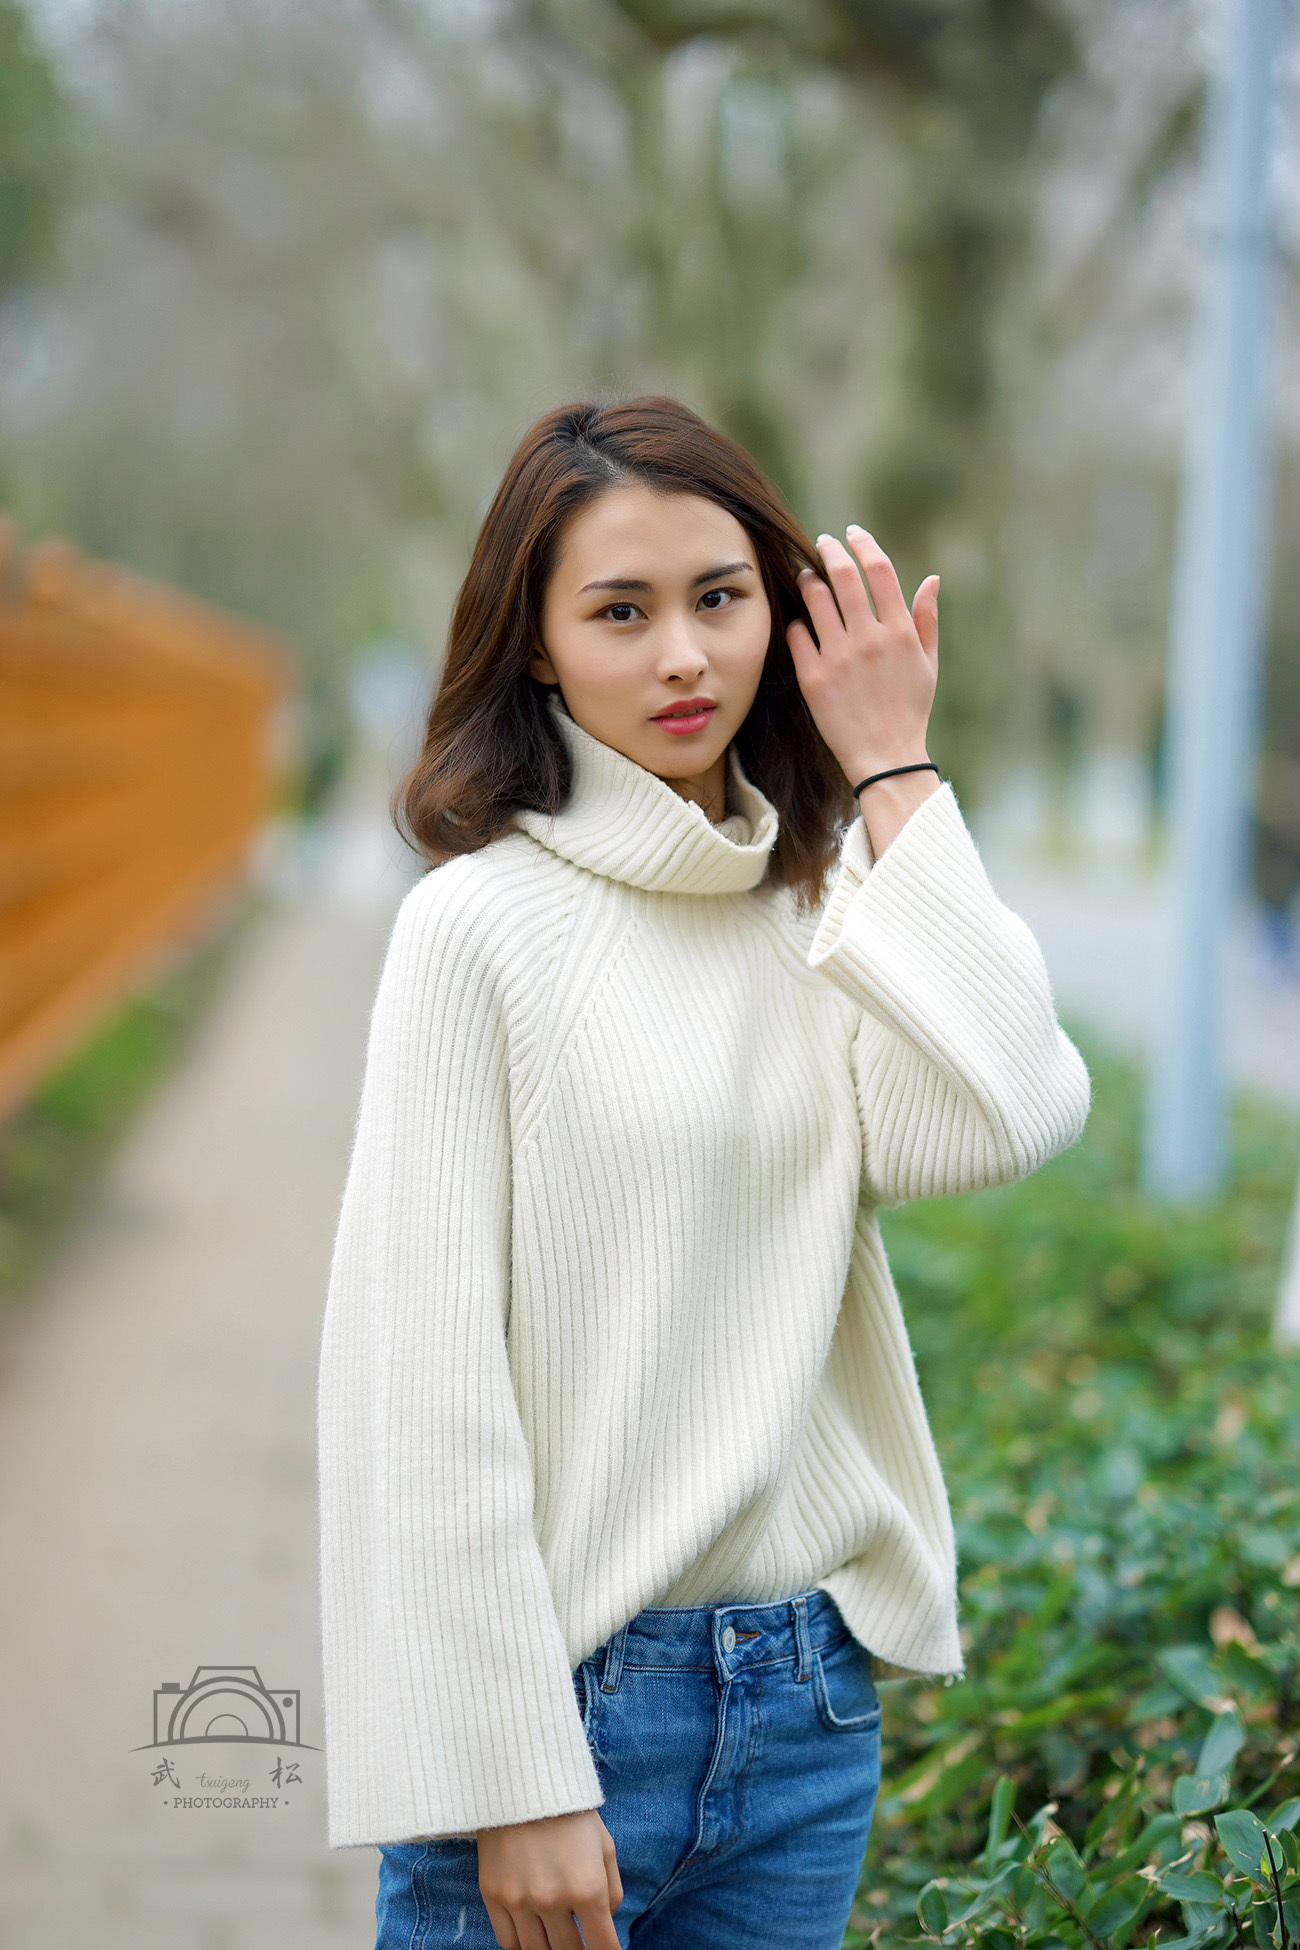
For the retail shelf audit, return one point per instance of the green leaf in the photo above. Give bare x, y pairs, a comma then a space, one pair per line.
1286, 1817
1198, 1887
1066, 1870
984, 1898
1264, 1919
1004, 1800
1289, 1843
1115, 1909
1156, 1831
932, 1908
1189, 1669
1241, 1837
1247, 1672
1220, 1746
1112, 1815
1155, 1703
1200, 1917
1196, 1794
1271, 1547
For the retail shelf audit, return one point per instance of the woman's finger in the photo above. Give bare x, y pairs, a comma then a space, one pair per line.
842, 574
596, 1924
820, 605
802, 648
925, 614
886, 594
503, 1928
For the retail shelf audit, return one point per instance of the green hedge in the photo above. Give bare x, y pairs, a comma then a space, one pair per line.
1122, 1446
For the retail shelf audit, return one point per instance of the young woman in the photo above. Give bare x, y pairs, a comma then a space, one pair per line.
627, 1491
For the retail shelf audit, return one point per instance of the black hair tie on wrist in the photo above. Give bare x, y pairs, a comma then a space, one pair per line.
893, 772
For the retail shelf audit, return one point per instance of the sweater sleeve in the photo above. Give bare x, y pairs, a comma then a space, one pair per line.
965, 1078
449, 1699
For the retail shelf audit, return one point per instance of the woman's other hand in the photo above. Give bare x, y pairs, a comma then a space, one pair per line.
870, 675
535, 1877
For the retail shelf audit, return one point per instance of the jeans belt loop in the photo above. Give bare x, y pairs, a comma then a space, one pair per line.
803, 1648
614, 1660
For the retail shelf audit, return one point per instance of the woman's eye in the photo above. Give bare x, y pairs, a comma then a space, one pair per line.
621, 612
716, 598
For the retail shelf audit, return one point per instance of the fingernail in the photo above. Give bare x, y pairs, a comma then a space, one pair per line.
824, 538
855, 528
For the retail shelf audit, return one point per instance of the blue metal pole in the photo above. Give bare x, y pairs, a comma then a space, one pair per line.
1220, 582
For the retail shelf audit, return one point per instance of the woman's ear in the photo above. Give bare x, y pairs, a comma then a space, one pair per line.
541, 667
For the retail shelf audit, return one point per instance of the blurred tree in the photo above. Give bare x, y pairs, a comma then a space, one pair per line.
33, 151
667, 208
964, 86
377, 239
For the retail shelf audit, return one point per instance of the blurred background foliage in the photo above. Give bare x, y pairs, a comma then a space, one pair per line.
33, 152
285, 283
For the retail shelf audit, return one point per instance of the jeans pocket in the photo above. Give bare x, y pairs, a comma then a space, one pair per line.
844, 1691
587, 1693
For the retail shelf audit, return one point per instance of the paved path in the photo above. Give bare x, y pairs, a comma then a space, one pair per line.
1103, 937
157, 1431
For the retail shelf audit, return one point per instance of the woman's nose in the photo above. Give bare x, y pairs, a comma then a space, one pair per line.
680, 652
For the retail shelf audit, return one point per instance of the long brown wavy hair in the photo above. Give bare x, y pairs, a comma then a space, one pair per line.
490, 744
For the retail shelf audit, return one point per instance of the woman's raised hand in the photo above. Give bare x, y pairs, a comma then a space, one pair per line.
535, 1877
870, 675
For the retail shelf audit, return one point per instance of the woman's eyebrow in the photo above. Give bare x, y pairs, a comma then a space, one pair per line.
631, 582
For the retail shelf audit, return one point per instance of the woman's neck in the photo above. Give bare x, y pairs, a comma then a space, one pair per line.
707, 790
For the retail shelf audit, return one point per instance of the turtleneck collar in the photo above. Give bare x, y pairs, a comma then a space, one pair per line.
622, 821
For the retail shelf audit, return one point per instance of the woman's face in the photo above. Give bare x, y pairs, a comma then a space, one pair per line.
656, 601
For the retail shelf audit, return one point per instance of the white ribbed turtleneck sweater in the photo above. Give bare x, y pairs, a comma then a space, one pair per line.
609, 1320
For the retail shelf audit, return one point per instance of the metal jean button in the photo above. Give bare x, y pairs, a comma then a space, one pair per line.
728, 1639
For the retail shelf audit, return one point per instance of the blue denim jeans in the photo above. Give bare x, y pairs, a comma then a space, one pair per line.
738, 1747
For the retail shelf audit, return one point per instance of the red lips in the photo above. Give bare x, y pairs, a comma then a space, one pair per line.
685, 706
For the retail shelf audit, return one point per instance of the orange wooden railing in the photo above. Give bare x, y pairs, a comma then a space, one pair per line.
135, 769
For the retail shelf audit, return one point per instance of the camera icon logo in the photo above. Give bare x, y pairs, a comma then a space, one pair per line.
226, 1703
